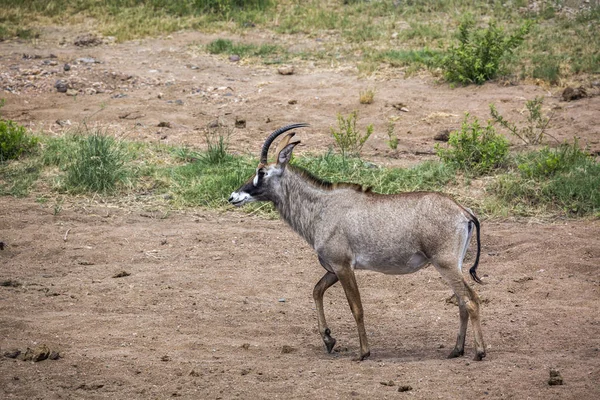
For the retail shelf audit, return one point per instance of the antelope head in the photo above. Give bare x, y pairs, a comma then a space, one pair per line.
265, 181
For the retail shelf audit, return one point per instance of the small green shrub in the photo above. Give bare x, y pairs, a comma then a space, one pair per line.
475, 149
392, 141
478, 56
217, 142
98, 165
537, 122
14, 140
347, 138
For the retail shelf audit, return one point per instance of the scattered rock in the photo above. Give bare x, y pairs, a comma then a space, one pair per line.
118, 96
400, 106
234, 58
38, 353
165, 358
286, 70
287, 349
14, 353
54, 355
194, 373
10, 283
87, 60
404, 388
281, 300
121, 274
131, 115
1, 245
61, 86
570, 93
443, 135
245, 346
93, 386
214, 124
63, 122
245, 371
66, 67
555, 378
87, 40
388, 383
240, 122
292, 101
72, 92
164, 124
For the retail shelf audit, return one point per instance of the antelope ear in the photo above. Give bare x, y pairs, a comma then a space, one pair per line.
285, 154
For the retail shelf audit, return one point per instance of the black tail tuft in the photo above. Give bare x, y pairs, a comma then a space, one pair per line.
473, 270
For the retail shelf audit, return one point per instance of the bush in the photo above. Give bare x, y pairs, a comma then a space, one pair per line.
474, 149
478, 55
98, 165
348, 139
535, 130
14, 140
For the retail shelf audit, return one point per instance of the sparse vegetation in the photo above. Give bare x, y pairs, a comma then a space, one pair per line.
392, 137
535, 130
475, 149
366, 96
564, 178
263, 51
348, 138
563, 45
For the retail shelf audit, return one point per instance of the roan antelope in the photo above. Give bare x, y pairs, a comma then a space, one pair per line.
351, 228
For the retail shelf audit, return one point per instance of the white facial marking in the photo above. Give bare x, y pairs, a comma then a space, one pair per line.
240, 198
255, 181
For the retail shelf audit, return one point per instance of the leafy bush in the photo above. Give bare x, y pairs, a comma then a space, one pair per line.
98, 165
478, 55
534, 131
14, 140
474, 149
348, 139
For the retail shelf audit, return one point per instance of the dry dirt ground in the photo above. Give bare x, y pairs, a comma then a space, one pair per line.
200, 304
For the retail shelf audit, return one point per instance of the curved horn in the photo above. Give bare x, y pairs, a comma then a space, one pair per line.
265, 149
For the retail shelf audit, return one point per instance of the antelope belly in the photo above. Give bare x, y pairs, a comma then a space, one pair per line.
397, 265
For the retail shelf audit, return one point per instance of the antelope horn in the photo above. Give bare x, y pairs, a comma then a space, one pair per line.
265, 149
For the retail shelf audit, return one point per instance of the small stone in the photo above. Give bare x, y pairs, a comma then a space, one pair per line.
164, 124
404, 388
282, 300
72, 92
387, 383
234, 58
443, 135
87, 40
165, 358
14, 353
87, 60
245, 346
61, 86
38, 353
292, 101
240, 123
287, 349
286, 70
570, 93
555, 378
121, 274
66, 67
54, 355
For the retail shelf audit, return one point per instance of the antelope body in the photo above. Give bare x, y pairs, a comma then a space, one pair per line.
352, 228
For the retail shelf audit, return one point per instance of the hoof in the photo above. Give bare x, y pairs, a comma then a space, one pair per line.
362, 357
479, 356
456, 353
329, 341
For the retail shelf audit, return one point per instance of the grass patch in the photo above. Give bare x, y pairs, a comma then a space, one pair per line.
563, 179
263, 51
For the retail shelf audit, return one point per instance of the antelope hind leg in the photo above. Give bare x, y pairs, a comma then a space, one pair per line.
348, 281
324, 283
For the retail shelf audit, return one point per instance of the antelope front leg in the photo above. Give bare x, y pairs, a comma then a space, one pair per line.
326, 281
348, 281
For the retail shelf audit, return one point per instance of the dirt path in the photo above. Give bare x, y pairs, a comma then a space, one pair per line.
220, 305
